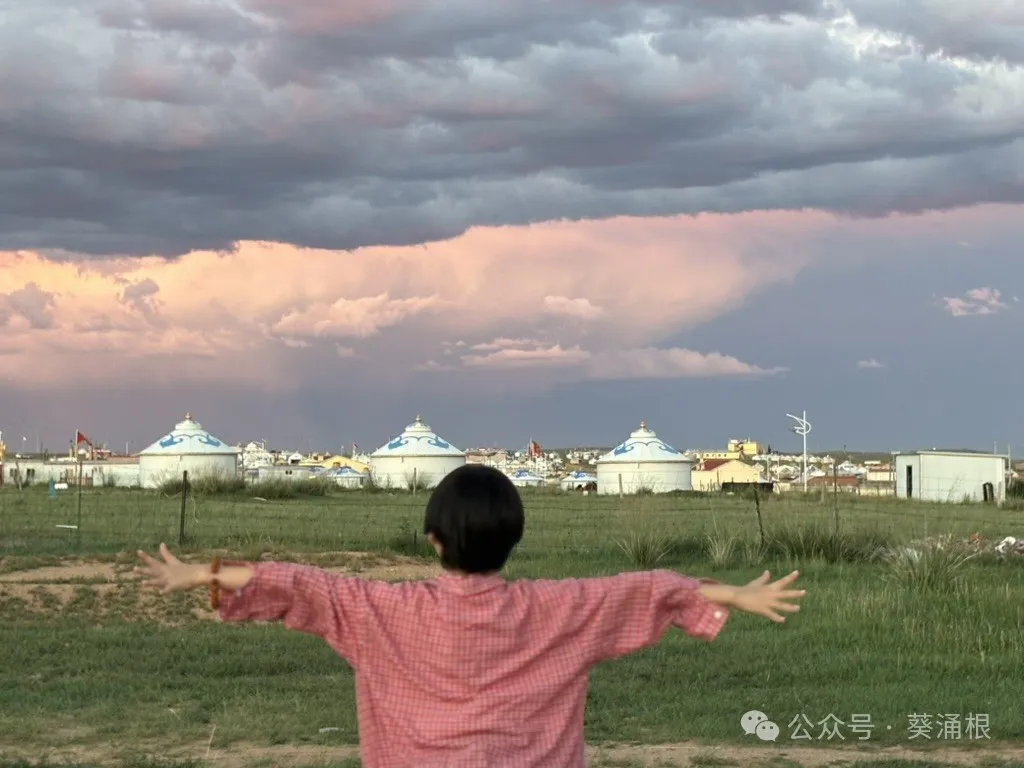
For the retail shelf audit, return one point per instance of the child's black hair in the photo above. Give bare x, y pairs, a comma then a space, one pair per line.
476, 515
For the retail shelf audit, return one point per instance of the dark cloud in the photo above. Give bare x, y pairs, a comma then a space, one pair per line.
140, 295
30, 302
161, 127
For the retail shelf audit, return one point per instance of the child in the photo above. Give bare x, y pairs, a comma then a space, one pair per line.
469, 670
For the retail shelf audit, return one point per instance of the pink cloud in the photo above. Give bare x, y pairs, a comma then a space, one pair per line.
566, 307
674, 363
520, 357
350, 318
581, 299
643, 363
977, 301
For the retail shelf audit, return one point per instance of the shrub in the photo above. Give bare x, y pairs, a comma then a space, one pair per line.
645, 548
820, 542
409, 541
721, 551
273, 490
930, 566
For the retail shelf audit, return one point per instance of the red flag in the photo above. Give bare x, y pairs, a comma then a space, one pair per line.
80, 438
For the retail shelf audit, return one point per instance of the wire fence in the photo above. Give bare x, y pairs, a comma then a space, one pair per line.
37, 521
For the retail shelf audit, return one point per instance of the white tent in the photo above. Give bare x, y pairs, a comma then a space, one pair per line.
577, 479
524, 478
188, 447
416, 458
643, 462
346, 477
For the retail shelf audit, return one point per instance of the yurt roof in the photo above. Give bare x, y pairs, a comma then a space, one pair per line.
344, 472
643, 445
417, 440
524, 474
189, 438
579, 475
344, 461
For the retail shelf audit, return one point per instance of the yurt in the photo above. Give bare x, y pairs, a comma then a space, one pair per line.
575, 480
417, 458
187, 447
524, 478
346, 477
643, 463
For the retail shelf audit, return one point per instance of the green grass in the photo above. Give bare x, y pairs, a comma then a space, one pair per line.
880, 634
582, 527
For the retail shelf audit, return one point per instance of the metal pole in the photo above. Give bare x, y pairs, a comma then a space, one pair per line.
805, 451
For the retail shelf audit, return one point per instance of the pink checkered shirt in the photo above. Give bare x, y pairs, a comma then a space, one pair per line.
474, 671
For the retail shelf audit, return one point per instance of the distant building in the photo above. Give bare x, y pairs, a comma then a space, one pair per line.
710, 474
746, 447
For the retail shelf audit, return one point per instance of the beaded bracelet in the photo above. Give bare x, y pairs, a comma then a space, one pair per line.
215, 585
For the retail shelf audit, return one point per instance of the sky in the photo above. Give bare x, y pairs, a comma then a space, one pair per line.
306, 221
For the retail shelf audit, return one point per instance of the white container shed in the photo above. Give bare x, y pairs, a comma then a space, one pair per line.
951, 476
644, 462
416, 458
187, 447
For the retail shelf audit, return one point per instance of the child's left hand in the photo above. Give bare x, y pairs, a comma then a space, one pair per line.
767, 598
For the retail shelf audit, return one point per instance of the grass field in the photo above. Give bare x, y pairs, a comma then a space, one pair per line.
97, 672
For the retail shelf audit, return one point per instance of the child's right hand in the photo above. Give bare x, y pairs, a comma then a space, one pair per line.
171, 575
764, 597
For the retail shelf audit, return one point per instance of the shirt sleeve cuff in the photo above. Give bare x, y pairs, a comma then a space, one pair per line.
705, 619
233, 603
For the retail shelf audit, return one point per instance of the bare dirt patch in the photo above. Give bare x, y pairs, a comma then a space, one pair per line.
96, 590
81, 571
242, 755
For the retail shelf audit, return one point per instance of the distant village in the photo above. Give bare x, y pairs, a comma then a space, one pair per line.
419, 457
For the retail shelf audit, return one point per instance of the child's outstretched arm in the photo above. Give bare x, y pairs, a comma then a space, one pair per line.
303, 598
617, 615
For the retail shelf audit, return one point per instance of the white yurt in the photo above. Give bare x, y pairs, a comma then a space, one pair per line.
644, 462
524, 478
579, 479
187, 447
346, 477
416, 458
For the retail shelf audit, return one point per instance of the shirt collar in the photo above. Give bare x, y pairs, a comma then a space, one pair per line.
471, 584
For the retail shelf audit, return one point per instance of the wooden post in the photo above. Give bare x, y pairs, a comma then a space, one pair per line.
835, 495
415, 479
760, 521
184, 499
620, 486
78, 527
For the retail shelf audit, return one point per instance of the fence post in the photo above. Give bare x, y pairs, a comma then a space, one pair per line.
620, 486
184, 499
78, 527
415, 480
760, 520
835, 495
